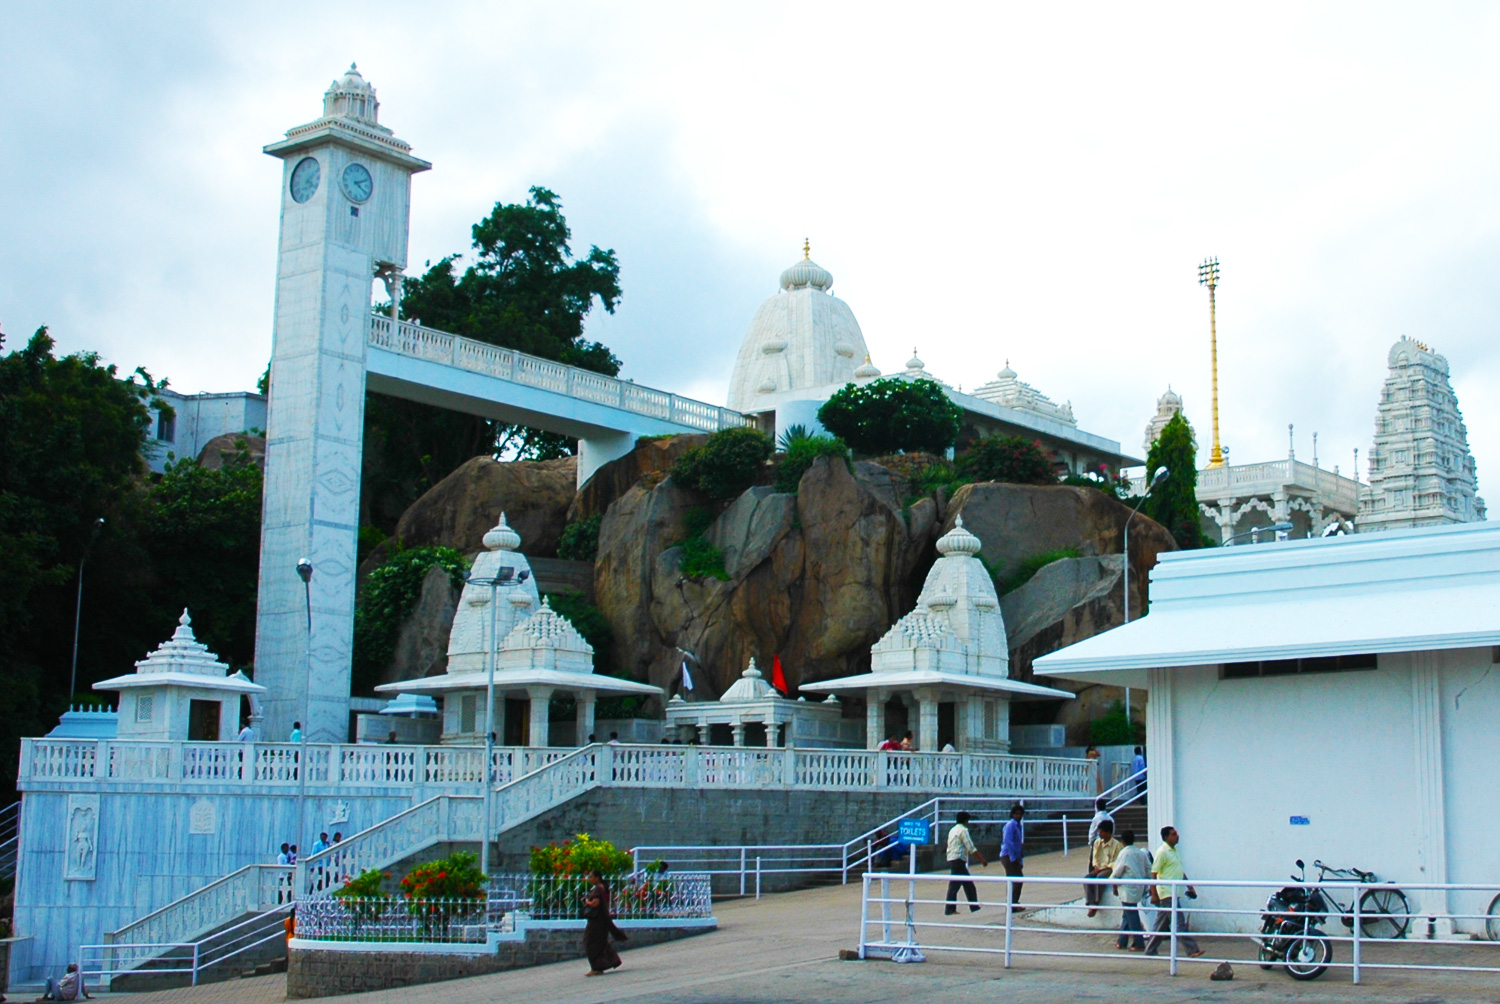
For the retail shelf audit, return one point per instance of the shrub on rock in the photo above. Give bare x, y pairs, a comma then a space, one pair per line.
893, 415
726, 465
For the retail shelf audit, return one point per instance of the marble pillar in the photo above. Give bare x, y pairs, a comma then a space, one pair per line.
540, 697
585, 726
739, 733
927, 721
875, 699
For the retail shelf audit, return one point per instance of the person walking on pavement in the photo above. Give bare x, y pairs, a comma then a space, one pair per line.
1167, 864
1131, 863
1013, 851
1102, 854
960, 849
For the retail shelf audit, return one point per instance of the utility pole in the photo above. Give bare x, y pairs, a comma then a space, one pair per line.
1208, 275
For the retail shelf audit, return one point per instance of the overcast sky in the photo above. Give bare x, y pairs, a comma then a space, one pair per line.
1035, 182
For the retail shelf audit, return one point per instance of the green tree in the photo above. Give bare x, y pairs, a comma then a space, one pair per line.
389, 594
71, 435
201, 528
893, 415
1012, 459
525, 291
1174, 502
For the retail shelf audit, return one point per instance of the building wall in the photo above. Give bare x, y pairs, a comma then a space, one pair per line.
199, 418
1351, 751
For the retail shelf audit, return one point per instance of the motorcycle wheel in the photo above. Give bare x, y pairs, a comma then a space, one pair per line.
1308, 958
1384, 913
1268, 954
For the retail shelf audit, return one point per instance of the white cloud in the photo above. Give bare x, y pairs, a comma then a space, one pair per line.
1025, 181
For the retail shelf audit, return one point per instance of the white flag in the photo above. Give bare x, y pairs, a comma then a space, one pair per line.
687, 678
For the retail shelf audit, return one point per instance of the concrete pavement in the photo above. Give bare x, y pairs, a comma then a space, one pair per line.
785, 948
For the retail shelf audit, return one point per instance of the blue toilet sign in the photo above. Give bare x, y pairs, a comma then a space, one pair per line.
914, 831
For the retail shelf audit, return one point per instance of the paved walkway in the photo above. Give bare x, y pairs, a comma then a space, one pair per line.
784, 948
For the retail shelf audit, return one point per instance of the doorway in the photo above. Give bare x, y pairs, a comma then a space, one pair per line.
203, 721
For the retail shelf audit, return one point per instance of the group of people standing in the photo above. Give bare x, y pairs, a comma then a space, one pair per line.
1119, 859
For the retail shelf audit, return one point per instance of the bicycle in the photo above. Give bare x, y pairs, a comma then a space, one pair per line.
1384, 912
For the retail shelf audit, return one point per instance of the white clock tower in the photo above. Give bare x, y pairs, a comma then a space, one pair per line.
345, 202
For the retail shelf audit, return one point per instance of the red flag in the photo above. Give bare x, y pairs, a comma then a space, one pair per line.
778, 678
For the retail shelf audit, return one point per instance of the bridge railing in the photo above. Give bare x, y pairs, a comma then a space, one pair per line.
408, 339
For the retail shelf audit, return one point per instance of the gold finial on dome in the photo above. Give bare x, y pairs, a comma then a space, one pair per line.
806, 249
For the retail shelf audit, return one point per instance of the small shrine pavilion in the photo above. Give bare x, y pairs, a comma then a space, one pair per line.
539, 655
751, 712
949, 657
181, 691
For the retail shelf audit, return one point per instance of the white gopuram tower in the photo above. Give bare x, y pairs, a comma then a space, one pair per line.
345, 202
1421, 471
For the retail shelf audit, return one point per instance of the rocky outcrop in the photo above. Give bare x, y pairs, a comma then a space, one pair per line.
227, 447
651, 460
456, 512
1017, 522
422, 644
815, 577
1067, 601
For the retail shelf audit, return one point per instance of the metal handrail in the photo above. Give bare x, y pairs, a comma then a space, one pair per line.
207, 952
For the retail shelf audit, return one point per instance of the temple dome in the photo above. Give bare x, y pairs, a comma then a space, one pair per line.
751, 686
801, 339
958, 540
807, 273
501, 537
182, 653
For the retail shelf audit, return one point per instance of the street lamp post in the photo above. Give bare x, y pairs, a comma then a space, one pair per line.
305, 573
505, 575
78, 608
1156, 479
1254, 534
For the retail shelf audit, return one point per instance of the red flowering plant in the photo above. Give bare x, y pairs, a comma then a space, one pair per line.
560, 874
432, 889
364, 896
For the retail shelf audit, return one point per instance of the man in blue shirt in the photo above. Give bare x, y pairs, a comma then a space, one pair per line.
1137, 769
1013, 851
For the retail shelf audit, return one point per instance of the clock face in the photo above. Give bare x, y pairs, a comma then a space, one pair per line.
305, 179
357, 182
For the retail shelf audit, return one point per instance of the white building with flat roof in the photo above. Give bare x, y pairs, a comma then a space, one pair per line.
198, 418
1334, 699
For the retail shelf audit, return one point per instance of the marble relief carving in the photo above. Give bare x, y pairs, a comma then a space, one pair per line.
83, 838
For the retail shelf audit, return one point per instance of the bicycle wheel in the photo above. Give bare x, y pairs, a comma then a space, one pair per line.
1308, 958
1384, 913
1492, 920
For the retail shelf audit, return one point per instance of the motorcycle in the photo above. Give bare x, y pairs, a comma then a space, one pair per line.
1290, 930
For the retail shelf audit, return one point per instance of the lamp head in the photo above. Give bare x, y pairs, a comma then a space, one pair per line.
1159, 476
304, 570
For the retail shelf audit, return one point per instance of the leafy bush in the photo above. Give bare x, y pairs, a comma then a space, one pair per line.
792, 434
1116, 487
1174, 502
893, 415
701, 560
580, 540
934, 477
800, 454
1011, 459
388, 596
1113, 728
368, 884
455, 877
726, 465
579, 856
1030, 566
370, 537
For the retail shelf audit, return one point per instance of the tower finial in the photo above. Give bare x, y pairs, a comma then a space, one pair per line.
806, 249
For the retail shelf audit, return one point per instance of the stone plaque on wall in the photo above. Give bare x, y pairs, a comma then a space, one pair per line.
203, 817
83, 838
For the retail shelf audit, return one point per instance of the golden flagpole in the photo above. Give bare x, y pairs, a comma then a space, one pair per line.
1208, 275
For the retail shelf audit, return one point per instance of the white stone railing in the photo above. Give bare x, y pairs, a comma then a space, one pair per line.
554, 777
252, 889
1337, 491
346, 767
407, 339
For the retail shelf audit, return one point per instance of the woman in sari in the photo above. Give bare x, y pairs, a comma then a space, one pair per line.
600, 928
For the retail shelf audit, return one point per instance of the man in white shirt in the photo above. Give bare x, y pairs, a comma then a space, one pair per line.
960, 849
247, 734
1131, 863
